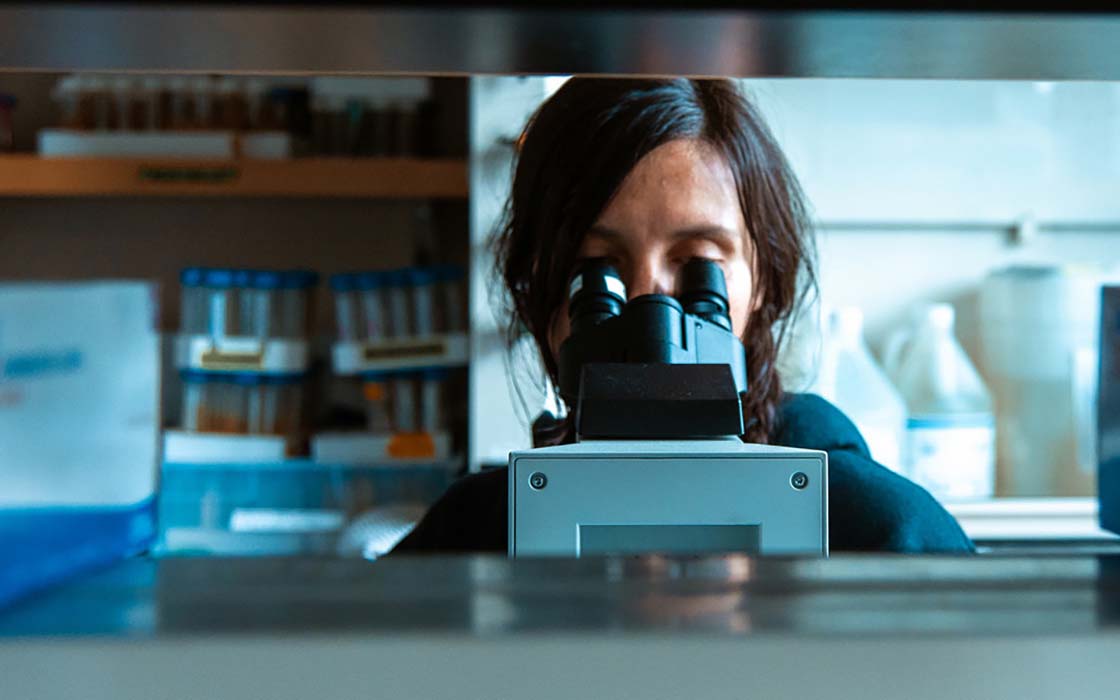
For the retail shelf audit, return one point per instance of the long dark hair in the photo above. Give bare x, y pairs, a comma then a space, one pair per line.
574, 154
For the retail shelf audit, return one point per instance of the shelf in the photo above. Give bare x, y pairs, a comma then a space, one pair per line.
390, 178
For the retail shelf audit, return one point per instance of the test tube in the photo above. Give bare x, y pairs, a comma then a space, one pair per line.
372, 290
240, 300
292, 305
423, 312
183, 112
398, 291
432, 414
375, 389
256, 389
404, 389
192, 301
152, 94
203, 90
450, 298
265, 305
345, 306
240, 389
194, 385
221, 313
66, 94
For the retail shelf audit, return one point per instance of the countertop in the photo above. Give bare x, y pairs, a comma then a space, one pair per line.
480, 626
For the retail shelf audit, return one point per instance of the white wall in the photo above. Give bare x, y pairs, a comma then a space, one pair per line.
917, 186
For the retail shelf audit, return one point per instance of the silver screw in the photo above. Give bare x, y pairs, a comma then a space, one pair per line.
799, 480
538, 481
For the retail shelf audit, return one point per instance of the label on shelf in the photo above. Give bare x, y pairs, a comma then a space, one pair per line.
241, 354
450, 350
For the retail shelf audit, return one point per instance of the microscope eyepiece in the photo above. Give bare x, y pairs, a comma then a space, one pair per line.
703, 292
595, 294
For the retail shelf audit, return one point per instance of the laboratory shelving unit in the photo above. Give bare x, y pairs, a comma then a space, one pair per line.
379, 178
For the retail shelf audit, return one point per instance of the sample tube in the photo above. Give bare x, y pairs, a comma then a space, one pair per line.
256, 389
346, 306
432, 413
398, 292
404, 397
192, 301
372, 290
65, 94
423, 309
375, 389
194, 400
265, 304
221, 313
295, 303
450, 297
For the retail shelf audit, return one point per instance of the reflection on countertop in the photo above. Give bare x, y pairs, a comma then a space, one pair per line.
863, 595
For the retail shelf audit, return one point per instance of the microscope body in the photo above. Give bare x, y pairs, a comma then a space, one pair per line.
658, 467
690, 497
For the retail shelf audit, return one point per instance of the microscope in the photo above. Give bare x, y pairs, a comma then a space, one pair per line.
658, 465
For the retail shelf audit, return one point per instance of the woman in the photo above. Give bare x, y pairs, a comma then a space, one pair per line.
649, 174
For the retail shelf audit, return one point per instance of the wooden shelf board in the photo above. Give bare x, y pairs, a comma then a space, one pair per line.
389, 178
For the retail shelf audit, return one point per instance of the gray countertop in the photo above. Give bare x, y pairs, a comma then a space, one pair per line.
488, 595
479, 626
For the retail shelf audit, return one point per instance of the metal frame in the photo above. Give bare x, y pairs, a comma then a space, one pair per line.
452, 40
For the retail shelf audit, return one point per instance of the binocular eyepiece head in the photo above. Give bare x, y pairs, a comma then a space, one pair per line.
597, 293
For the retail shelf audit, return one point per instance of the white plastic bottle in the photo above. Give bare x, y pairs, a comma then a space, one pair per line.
849, 377
950, 435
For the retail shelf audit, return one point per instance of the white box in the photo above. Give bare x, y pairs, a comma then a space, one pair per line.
79, 394
217, 145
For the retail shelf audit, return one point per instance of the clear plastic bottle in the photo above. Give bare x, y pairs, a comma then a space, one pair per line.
849, 377
950, 441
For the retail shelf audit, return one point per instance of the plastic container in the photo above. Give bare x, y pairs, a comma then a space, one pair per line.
397, 293
375, 390
65, 96
449, 296
347, 302
294, 506
950, 441
849, 377
295, 291
422, 292
221, 302
1039, 339
374, 295
433, 408
404, 395
192, 302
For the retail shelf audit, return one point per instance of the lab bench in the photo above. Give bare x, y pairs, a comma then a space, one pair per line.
485, 626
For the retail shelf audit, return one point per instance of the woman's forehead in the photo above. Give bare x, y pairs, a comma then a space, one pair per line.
683, 184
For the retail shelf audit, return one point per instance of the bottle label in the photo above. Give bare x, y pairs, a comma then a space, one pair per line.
952, 457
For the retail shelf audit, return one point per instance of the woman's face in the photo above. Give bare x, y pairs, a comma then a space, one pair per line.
679, 202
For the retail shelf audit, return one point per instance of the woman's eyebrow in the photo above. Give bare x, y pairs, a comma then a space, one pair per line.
704, 231
698, 231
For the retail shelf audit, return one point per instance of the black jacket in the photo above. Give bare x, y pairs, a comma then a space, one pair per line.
870, 508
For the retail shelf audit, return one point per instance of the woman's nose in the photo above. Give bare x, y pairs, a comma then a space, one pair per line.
650, 277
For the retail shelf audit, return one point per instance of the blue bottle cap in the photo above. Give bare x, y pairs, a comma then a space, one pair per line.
195, 376
217, 278
191, 276
298, 279
242, 278
438, 374
344, 282
266, 279
370, 280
